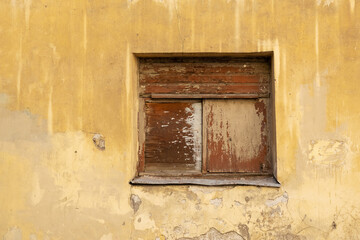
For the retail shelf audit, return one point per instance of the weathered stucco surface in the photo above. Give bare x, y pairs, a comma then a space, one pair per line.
68, 75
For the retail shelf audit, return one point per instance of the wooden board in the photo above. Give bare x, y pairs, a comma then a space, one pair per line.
236, 135
173, 136
204, 76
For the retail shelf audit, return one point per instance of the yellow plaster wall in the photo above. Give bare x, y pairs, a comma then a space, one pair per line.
67, 71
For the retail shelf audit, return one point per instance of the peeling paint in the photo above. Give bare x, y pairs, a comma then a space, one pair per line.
216, 202
135, 202
214, 234
99, 141
244, 231
327, 152
281, 199
195, 123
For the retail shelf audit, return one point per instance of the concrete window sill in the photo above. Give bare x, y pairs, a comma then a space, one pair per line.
206, 180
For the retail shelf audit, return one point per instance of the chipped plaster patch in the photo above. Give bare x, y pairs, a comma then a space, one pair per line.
99, 141
135, 202
208, 190
244, 231
327, 152
216, 202
276, 201
214, 234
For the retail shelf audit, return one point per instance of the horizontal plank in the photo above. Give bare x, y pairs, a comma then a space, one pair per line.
208, 78
204, 68
210, 59
199, 96
166, 168
224, 75
238, 88
208, 180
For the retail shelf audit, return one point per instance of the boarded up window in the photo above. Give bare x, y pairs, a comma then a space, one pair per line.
205, 116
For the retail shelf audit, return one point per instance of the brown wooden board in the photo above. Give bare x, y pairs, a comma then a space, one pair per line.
173, 136
204, 76
236, 135
215, 88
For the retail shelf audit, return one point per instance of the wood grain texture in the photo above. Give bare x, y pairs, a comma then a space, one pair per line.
173, 136
236, 135
214, 88
204, 76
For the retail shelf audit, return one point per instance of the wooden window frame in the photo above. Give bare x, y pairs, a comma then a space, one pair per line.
203, 177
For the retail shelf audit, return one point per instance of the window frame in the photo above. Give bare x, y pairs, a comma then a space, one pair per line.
203, 177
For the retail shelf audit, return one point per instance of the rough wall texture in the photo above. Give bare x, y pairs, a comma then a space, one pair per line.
68, 75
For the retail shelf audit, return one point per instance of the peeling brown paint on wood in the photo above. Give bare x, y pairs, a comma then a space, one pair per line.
173, 135
204, 76
237, 135
209, 88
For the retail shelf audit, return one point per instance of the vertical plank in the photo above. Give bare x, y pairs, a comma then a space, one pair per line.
237, 135
141, 132
173, 136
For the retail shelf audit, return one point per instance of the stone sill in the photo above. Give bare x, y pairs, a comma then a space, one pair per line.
206, 180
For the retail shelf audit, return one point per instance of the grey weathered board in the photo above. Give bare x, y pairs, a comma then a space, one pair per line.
236, 135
